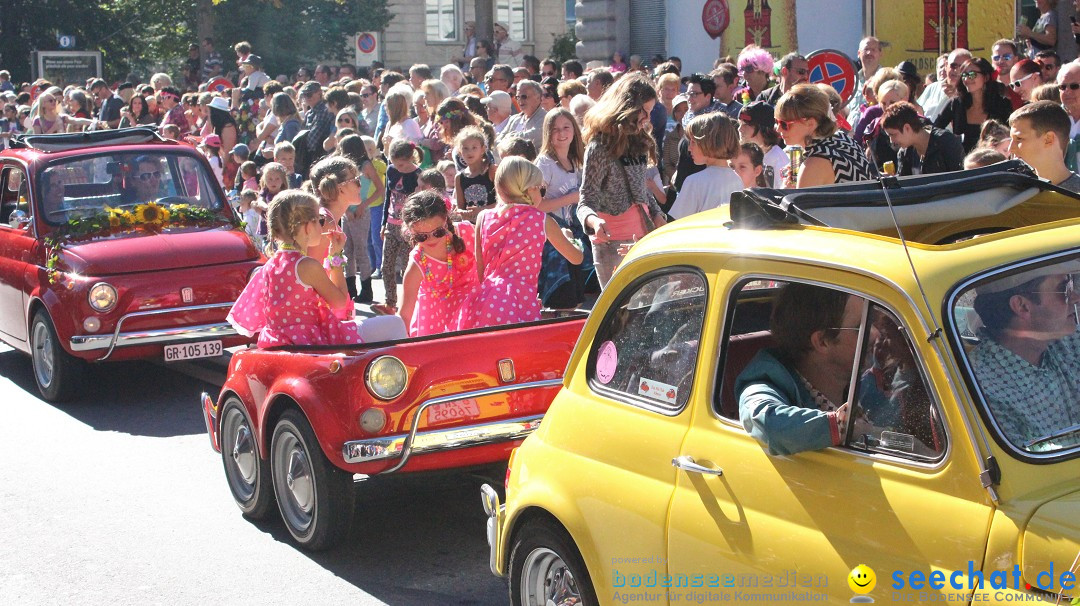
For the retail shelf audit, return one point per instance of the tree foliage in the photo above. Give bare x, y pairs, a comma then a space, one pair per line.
145, 36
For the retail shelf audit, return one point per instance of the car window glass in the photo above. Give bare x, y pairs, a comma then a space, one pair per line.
893, 412
1017, 331
84, 185
647, 349
13, 194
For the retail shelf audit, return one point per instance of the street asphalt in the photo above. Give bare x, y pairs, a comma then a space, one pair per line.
118, 498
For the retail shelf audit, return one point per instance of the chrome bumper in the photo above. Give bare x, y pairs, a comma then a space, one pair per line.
452, 438
496, 514
209, 410
177, 334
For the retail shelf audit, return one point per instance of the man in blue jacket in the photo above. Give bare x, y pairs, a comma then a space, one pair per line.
792, 397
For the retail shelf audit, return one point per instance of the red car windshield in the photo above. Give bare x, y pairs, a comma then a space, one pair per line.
85, 185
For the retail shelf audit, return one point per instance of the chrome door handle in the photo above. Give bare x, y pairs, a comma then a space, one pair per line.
686, 463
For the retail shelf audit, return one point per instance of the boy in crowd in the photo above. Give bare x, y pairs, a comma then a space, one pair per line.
1040, 136
285, 155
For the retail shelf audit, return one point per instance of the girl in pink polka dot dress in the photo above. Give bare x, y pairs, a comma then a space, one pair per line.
509, 243
440, 280
292, 299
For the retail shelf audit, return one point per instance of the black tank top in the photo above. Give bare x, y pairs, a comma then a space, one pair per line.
477, 191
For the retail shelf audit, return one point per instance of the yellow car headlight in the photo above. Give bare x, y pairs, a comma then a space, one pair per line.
386, 377
102, 297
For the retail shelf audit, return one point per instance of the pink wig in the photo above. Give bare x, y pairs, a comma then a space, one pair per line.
757, 58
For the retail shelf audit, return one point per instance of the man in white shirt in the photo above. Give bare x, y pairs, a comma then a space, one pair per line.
933, 98
507, 50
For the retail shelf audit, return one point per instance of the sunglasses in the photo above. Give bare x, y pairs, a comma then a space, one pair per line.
970, 75
420, 236
1068, 293
1017, 83
521, 97
1005, 57
1069, 86
549, 74
322, 221
365, 95
150, 175
786, 124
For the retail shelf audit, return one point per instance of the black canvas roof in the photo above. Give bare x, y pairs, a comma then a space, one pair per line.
66, 141
919, 199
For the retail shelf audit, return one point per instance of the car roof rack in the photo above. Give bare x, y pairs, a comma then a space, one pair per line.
917, 200
97, 138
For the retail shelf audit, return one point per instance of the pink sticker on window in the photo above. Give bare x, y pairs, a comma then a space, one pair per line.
607, 360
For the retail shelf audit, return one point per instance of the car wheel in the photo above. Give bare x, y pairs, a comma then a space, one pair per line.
57, 373
315, 498
546, 568
247, 473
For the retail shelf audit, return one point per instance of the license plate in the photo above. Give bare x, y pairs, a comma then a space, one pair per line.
453, 411
190, 351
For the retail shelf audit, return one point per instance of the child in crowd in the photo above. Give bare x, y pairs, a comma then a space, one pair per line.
449, 172
982, 156
474, 187
432, 180
292, 299
357, 224
252, 211
274, 180
750, 165
171, 132
509, 243
516, 146
441, 279
248, 177
285, 155
402, 179
714, 141
211, 148
335, 180
375, 210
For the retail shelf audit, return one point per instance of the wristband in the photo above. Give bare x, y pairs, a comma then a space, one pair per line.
335, 260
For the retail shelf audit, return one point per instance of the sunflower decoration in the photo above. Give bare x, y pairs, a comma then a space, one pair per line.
119, 217
151, 214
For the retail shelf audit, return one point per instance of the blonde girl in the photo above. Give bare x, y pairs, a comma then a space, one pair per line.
509, 245
474, 185
294, 299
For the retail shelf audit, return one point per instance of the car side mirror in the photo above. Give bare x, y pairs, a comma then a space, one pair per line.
18, 219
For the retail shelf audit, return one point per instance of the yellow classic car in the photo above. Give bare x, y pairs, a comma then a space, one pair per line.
944, 466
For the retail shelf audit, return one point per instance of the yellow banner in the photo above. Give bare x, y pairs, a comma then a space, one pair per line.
770, 25
920, 30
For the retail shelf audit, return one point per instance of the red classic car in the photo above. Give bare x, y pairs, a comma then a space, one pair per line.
293, 425
114, 245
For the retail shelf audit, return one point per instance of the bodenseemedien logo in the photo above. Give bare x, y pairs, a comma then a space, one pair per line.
862, 580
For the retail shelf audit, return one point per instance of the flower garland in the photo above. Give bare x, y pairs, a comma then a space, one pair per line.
148, 217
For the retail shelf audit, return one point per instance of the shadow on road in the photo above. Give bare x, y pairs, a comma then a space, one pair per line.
416, 541
137, 398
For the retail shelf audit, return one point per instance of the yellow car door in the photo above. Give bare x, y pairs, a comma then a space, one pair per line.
608, 440
902, 493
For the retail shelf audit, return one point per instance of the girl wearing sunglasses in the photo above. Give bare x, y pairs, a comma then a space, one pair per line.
440, 280
981, 98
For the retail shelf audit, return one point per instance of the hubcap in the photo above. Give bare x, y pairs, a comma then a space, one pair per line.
242, 460
293, 481
546, 580
43, 355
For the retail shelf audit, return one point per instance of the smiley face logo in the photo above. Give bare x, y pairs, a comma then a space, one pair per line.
862, 579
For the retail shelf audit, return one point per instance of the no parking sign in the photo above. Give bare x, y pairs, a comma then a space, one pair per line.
833, 68
368, 48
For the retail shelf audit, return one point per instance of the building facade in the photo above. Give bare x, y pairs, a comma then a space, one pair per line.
431, 31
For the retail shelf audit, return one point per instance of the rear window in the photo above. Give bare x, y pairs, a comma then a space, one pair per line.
83, 186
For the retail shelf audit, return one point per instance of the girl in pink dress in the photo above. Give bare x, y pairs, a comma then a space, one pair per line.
292, 299
440, 280
509, 244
